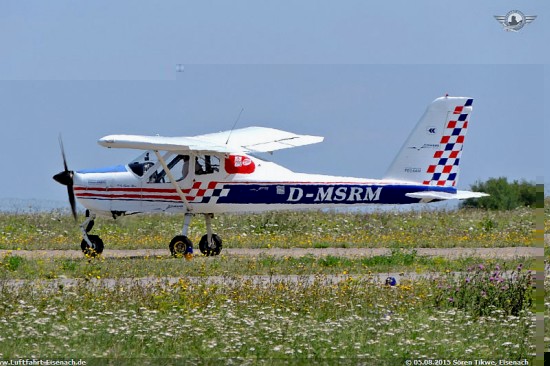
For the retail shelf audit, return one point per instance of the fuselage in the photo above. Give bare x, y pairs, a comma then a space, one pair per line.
232, 183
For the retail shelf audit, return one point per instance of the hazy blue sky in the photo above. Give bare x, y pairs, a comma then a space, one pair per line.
359, 74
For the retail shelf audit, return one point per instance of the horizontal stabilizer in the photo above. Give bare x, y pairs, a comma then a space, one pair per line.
435, 195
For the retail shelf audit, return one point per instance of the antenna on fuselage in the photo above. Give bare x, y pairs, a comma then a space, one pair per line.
234, 124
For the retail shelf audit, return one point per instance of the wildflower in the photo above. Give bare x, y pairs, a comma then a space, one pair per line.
481, 267
451, 299
520, 266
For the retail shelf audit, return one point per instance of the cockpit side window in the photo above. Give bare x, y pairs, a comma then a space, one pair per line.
181, 166
206, 164
178, 166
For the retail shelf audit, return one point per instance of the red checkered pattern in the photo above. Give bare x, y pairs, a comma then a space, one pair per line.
203, 192
444, 169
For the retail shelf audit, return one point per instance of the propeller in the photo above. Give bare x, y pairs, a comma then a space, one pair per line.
66, 178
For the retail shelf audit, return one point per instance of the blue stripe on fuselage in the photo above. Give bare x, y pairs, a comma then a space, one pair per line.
108, 169
323, 193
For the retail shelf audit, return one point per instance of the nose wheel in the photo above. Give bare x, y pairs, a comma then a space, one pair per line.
91, 245
94, 248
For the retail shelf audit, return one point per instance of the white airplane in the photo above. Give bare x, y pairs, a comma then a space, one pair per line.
221, 172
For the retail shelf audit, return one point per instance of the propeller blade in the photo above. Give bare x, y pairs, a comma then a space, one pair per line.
72, 201
63, 153
66, 178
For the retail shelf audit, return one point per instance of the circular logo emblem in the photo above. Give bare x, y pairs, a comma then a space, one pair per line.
514, 20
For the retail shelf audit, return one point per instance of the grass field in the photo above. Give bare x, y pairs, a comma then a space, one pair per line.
353, 319
485, 312
433, 229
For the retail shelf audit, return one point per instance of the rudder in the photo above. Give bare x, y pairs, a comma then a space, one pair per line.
431, 154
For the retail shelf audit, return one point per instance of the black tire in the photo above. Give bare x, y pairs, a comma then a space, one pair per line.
97, 247
181, 246
206, 250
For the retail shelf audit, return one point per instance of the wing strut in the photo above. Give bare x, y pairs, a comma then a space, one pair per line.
173, 181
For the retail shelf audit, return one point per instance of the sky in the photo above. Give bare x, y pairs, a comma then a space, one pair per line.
359, 74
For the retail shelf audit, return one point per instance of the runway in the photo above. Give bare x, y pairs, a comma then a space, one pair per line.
450, 253
302, 280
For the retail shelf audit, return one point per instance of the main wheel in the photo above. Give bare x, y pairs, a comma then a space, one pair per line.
206, 249
181, 246
95, 249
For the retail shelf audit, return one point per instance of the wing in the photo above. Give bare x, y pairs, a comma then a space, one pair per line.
160, 143
529, 18
251, 139
260, 139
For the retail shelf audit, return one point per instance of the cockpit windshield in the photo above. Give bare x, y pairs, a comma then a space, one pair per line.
143, 163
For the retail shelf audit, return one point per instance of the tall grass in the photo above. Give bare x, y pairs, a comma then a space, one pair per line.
356, 319
482, 290
462, 228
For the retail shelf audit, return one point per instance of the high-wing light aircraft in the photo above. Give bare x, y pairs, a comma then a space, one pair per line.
222, 172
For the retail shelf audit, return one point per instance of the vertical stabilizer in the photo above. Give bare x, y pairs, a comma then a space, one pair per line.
431, 154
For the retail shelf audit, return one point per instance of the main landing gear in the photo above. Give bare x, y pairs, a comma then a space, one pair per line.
209, 245
180, 246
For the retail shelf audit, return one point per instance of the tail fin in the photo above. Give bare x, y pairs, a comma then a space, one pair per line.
431, 154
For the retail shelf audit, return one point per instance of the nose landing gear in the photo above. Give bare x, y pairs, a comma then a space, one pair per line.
91, 245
